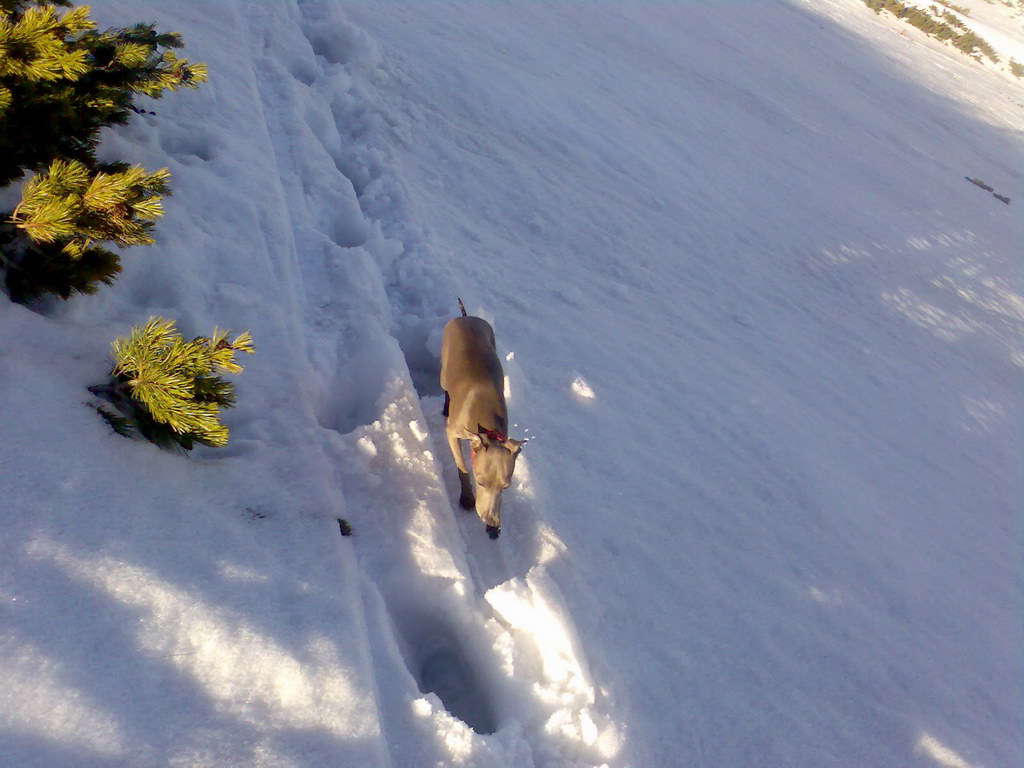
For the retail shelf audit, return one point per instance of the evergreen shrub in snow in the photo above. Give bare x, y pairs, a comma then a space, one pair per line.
948, 28
169, 390
61, 82
51, 238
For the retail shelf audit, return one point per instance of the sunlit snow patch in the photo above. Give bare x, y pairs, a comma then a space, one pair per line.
940, 753
39, 704
565, 697
418, 432
581, 389
222, 653
947, 326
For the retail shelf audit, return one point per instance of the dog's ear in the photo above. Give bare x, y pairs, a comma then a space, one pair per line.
477, 442
514, 446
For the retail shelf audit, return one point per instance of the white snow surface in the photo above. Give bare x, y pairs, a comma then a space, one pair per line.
764, 337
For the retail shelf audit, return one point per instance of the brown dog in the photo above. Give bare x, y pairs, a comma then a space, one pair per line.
474, 409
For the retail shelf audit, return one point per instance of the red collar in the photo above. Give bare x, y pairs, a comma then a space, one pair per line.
491, 434
494, 434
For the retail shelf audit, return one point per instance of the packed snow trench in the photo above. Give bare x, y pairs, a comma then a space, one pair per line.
762, 332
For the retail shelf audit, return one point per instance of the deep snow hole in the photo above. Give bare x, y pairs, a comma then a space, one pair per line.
439, 663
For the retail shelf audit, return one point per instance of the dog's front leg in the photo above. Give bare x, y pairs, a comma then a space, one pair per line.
467, 500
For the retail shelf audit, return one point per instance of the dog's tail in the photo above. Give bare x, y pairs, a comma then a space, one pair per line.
462, 307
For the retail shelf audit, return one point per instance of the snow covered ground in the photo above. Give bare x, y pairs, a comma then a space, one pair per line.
1000, 23
763, 334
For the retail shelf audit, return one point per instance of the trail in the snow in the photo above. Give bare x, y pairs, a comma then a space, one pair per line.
472, 649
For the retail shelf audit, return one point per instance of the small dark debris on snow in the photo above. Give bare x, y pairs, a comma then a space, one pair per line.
979, 183
346, 529
987, 188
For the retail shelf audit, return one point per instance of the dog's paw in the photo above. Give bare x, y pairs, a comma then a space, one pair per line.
467, 502
493, 531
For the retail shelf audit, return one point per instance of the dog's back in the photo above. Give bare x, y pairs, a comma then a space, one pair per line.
472, 375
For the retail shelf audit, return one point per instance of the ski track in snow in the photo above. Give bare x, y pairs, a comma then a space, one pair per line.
474, 632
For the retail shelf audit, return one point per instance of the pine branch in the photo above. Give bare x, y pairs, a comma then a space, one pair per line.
171, 383
76, 208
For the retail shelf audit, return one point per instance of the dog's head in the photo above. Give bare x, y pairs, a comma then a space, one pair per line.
493, 460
